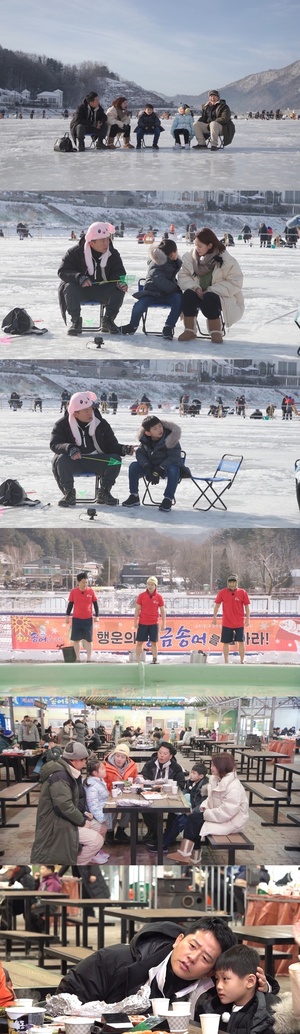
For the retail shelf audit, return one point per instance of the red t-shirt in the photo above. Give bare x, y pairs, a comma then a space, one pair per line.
150, 606
83, 602
234, 604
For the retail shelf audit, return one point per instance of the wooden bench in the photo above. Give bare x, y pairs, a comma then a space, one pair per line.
68, 955
269, 796
33, 979
27, 938
231, 843
77, 922
11, 796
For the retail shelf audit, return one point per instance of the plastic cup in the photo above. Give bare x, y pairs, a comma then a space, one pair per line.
115, 793
174, 789
160, 1006
210, 1023
181, 1008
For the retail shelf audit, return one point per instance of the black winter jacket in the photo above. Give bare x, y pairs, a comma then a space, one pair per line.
254, 1018
161, 453
219, 112
149, 123
62, 439
174, 771
195, 791
87, 116
73, 267
161, 274
59, 815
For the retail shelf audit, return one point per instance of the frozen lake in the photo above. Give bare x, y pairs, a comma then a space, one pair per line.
266, 332
263, 154
263, 494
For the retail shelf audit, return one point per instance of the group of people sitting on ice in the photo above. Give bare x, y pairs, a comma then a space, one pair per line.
206, 279
108, 127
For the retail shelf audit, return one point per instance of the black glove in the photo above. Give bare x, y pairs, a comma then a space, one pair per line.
154, 477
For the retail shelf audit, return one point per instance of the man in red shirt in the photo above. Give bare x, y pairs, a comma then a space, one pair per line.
83, 600
235, 616
149, 607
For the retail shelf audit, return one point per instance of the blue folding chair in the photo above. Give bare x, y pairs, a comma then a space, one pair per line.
152, 304
222, 479
147, 498
88, 327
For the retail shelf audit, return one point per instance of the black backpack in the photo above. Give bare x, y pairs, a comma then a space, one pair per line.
12, 494
19, 322
64, 143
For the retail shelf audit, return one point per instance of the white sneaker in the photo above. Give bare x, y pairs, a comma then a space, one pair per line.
177, 147
187, 147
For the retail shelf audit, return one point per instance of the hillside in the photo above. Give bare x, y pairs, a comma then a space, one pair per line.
275, 88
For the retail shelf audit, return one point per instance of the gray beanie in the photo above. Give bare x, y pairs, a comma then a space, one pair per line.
75, 751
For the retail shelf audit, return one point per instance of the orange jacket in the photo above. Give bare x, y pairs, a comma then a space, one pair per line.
6, 995
112, 775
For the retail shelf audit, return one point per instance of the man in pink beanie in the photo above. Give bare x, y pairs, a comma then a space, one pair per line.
92, 271
84, 443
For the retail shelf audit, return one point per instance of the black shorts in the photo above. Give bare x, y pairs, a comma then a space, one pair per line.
82, 628
232, 635
145, 632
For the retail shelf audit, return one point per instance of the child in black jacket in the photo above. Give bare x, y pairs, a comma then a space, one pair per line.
242, 1008
195, 783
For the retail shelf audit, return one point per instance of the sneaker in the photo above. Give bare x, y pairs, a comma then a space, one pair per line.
152, 846
105, 498
187, 147
127, 329
109, 838
81, 147
154, 660
166, 504
75, 328
133, 500
168, 332
199, 147
108, 326
155, 147
100, 858
121, 837
138, 147
177, 147
100, 146
69, 498
213, 147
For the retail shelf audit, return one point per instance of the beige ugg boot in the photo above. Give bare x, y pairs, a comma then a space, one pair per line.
215, 330
110, 144
189, 333
128, 146
196, 855
184, 853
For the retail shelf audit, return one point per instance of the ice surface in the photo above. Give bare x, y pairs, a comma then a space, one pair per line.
263, 154
267, 331
263, 494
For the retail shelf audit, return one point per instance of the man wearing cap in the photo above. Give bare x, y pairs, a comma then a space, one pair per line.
64, 833
84, 443
89, 119
92, 271
215, 121
235, 616
149, 607
82, 601
161, 766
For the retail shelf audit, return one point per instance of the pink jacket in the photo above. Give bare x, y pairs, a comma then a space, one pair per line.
51, 883
226, 808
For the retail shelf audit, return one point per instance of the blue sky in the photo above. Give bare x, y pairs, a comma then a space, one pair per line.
164, 45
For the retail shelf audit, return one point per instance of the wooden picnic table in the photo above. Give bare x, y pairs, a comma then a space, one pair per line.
86, 904
28, 758
291, 769
261, 757
26, 976
28, 896
174, 803
269, 936
130, 916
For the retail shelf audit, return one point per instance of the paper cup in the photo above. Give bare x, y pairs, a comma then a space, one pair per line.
160, 1006
174, 788
178, 1024
78, 1025
115, 793
181, 1008
294, 975
210, 1023
23, 1003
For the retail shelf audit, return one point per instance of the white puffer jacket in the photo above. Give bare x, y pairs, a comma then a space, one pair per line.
225, 809
117, 118
227, 282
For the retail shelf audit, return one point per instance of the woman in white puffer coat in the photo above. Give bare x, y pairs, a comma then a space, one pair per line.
211, 280
224, 810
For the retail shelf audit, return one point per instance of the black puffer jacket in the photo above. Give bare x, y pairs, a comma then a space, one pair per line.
161, 453
161, 274
254, 1018
62, 439
87, 116
219, 112
149, 123
73, 267
173, 771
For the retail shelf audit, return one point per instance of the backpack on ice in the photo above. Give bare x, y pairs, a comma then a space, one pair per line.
12, 494
19, 322
64, 143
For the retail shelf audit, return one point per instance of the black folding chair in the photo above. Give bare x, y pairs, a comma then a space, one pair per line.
147, 498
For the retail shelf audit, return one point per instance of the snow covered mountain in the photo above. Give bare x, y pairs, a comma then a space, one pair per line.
275, 88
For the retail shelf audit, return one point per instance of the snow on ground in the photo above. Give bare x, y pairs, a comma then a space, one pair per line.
263, 494
264, 154
266, 332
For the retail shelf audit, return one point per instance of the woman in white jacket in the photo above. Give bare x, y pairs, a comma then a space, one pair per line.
118, 120
225, 809
211, 280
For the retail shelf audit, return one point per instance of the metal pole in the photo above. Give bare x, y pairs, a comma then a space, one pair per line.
11, 713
